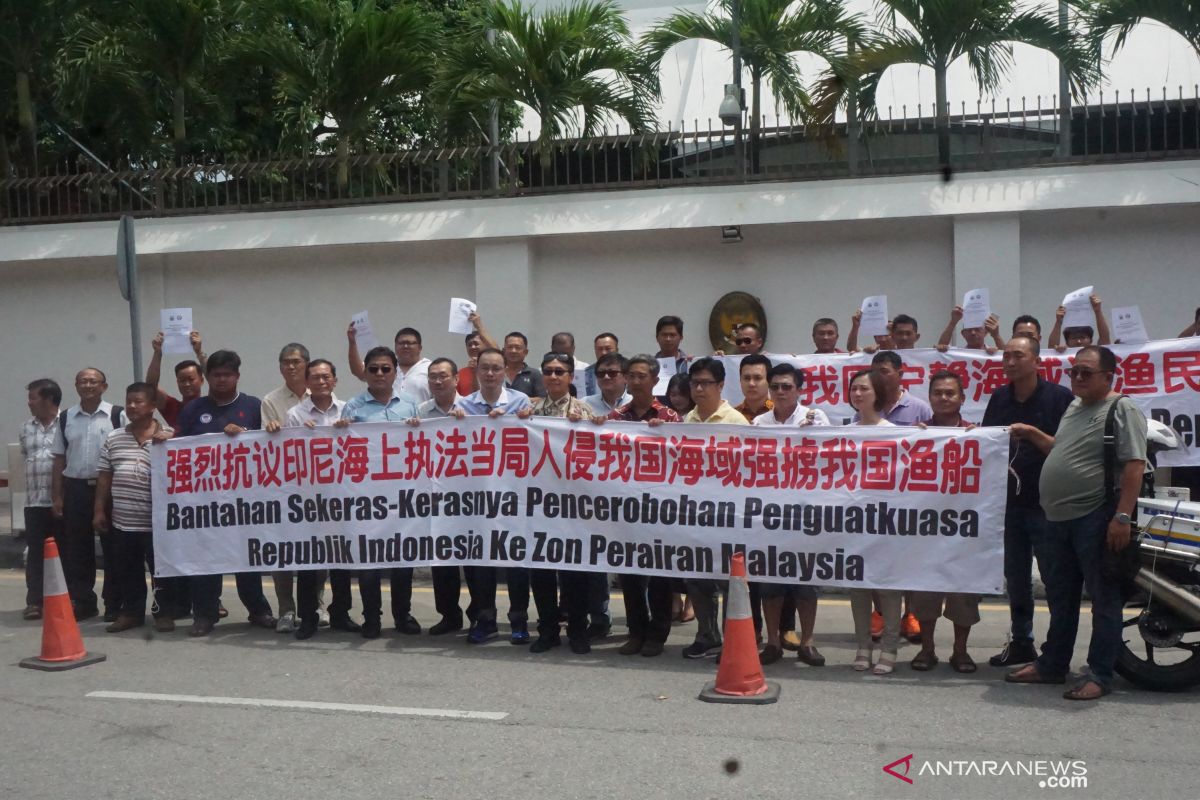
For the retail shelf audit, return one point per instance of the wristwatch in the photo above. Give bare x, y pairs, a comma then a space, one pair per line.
1123, 518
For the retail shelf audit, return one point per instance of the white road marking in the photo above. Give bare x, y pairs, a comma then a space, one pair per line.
260, 702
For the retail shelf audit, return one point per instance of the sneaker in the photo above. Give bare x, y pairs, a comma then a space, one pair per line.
32, 612
519, 634
483, 631
322, 618
876, 626
580, 647
701, 650
791, 641
910, 629
545, 643
1014, 653
286, 623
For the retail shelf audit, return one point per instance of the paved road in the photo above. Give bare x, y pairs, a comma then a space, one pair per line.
595, 726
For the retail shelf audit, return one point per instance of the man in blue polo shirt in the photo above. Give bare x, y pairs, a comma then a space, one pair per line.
1031, 406
224, 410
383, 402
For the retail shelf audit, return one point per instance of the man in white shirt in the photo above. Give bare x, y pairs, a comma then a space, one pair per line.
412, 371
784, 382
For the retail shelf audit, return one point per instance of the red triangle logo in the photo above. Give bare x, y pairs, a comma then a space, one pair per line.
907, 762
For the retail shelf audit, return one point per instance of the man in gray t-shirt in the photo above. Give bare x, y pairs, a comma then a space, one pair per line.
1084, 522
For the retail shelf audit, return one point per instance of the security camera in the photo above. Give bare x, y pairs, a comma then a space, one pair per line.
731, 105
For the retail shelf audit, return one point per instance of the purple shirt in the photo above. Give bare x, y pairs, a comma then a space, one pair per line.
908, 410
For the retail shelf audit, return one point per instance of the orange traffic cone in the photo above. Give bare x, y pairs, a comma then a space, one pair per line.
740, 676
62, 646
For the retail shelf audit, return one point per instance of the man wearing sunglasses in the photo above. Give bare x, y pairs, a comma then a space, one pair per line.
610, 377
382, 402
1085, 520
1031, 407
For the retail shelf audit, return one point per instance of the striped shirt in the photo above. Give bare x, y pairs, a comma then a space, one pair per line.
37, 441
129, 463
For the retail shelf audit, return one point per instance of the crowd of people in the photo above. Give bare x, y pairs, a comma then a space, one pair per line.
88, 475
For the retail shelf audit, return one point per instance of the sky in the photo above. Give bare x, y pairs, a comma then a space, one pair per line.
694, 74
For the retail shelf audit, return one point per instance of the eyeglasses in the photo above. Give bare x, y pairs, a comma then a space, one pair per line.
702, 384
743, 340
435, 378
557, 373
376, 369
1083, 373
782, 387
607, 373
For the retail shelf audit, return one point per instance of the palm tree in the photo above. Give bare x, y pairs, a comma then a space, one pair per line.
340, 61
577, 67
771, 31
28, 30
144, 51
1118, 17
936, 33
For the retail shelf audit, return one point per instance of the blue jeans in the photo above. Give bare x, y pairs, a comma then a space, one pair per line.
1024, 533
1074, 553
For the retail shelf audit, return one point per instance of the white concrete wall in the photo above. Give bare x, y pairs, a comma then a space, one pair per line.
604, 261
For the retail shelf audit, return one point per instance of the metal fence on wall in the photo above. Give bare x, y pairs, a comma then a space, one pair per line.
1016, 133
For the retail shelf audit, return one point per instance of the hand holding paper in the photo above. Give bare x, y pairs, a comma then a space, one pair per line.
874, 316
1078, 305
460, 315
364, 334
976, 307
177, 330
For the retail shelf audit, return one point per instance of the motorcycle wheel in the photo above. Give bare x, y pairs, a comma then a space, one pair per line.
1155, 655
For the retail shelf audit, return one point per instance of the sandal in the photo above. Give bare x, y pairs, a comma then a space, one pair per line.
862, 660
887, 663
964, 663
1080, 690
925, 661
1029, 674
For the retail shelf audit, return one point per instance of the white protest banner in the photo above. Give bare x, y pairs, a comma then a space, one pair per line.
896, 508
1079, 309
460, 315
976, 306
1162, 377
1127, 325
875, 317
364, 334
176, 325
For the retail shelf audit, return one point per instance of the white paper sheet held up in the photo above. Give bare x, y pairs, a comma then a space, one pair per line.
976, 307
666, 371
1128, 326
176, 325
364, 334
874, 316
1079, 309
460, 312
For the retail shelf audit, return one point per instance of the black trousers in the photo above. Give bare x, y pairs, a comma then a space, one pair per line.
78, 549
647, 606
206, 594
308, 591
481, 585
446, 589
565, 590
371, 592
40, 525
133, 554
518, 579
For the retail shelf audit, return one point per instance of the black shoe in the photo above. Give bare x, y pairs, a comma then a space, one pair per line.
446, 625
342, 622
580, 647
307, 629
263, 620
545, 643
409, 626
598, 630
1014, 653
86, 612
110, 615
201, 627
770, 654
370, 628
